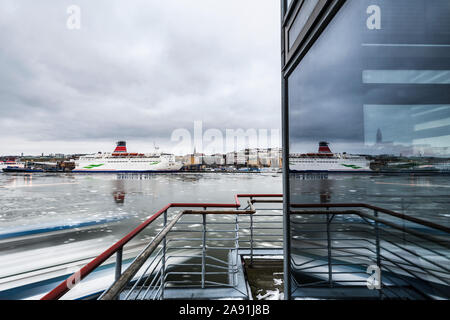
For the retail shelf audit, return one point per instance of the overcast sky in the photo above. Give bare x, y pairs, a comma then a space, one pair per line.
135, 71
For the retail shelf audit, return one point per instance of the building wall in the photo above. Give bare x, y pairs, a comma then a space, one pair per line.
372, 78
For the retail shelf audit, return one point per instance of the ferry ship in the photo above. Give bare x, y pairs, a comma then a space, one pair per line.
11, 164
120, 161
327, 161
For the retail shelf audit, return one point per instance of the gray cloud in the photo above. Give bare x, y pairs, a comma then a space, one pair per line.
136, 70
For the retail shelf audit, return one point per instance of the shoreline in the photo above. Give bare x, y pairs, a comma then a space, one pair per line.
144, 173
299, 173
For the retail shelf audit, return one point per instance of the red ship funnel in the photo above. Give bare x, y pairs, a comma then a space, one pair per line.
324, 147
121, 147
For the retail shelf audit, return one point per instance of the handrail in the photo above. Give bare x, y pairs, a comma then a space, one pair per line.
400, 260
368, 206
131, 271
376, 219
63, 287
363, 205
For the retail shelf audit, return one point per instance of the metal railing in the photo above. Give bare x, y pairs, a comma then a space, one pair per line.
155, 283
156, 255
338, 250
199, 249
332, 248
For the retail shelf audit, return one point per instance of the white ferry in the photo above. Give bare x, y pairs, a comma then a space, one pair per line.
11, 164
327, 161
120, 161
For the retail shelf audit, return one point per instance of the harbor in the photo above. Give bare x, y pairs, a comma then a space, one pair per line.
211, 157
68, 209
122, 161
245, 161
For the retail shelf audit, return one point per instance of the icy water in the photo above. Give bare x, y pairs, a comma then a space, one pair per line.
38, 199
45, 201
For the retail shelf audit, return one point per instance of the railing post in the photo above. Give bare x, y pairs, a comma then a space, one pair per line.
119, 254
377, 234
235, 269
330, 266
163, 260
377, 241
204, 251
251, 240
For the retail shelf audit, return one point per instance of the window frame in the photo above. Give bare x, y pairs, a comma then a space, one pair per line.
322, 15
290, 19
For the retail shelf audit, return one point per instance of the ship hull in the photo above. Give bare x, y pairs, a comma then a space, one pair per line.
126, 171
127, 167
108, 163
335, 166
331, 171
21, 170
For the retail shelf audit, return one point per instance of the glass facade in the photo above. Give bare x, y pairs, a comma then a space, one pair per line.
379, 91
300, 20
368, 112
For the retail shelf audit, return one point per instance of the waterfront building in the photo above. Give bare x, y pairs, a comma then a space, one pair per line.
193, 159
245, 158
275, 157
219, 159
231, 158
242, 158
209, 160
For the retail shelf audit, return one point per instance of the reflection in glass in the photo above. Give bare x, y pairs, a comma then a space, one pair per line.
376, 95
369, 126
300, 20
407, 76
